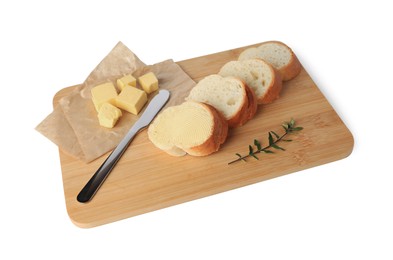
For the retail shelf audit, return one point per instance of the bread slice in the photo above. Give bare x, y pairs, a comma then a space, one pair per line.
279, 55
192, 127
228, 95
258, 75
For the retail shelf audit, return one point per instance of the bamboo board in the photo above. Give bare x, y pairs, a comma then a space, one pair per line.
146, 179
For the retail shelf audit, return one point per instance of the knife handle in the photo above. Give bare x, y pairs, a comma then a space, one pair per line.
95, 182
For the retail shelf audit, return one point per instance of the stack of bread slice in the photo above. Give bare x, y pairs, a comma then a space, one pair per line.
225, 100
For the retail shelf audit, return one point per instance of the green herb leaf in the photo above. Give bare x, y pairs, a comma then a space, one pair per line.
240, 157
286, 140
277, 147
251, 150
253, 155
297, 128
276, 135
267, 151
292, 123
271, 141
257, 144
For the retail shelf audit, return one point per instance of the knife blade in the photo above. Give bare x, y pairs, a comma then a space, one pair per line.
95, 182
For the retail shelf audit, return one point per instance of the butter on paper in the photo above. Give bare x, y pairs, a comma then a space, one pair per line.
73, 124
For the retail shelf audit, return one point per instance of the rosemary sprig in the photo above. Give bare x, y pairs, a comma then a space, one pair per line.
273, 139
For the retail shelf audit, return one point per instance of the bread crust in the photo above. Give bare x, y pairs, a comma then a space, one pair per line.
252, 103
216, 139
273, 91
293, 68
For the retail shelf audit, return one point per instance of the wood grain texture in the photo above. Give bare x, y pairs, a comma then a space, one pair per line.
148, 179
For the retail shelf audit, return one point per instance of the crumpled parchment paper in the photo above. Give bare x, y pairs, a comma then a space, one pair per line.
73, 125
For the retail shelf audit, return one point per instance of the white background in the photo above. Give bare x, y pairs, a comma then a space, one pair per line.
342, 210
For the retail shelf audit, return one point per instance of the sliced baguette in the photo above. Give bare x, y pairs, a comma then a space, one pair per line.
192, 127
228, 95
279, 55
260, 76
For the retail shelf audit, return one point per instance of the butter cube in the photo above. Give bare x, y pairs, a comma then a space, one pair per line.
131, 99
127, 80
108, 115
103, 93
149, 82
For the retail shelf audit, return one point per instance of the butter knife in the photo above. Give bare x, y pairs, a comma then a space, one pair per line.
92, 186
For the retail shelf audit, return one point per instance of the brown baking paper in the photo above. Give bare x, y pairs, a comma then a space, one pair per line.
73, 125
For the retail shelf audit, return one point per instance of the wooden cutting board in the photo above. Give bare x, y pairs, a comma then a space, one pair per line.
147, 179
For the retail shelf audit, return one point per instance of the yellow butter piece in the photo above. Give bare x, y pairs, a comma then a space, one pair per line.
103, 93
131, 99
149, 82
127, 80
108, 115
